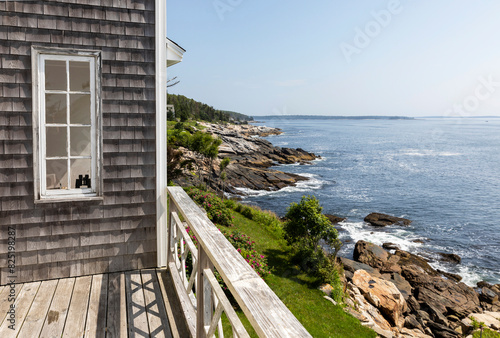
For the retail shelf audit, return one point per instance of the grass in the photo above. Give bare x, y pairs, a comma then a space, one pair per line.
297, 290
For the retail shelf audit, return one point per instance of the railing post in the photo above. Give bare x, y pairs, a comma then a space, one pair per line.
170, 231
202, 296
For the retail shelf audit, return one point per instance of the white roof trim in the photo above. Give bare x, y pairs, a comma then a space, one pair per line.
174, 53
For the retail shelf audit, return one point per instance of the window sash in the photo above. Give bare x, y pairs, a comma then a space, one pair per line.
80, 192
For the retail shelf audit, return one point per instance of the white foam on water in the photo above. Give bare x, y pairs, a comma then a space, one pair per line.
313, 183
419, 152
403, 238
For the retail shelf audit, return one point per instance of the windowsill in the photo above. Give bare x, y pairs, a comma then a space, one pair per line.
69, 199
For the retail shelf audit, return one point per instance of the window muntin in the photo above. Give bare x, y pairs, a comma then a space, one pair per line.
68, 126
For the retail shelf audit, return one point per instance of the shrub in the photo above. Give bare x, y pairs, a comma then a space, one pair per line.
216, 210
305, 229
230, 204
247, 212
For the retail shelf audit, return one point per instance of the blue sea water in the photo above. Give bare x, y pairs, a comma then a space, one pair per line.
442, 173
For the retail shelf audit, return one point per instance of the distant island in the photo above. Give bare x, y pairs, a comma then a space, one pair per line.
328, 117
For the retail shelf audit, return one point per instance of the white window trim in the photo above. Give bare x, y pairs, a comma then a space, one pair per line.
39, 54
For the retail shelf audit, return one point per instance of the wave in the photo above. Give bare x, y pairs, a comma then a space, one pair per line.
420, 153
357, 231
313, 183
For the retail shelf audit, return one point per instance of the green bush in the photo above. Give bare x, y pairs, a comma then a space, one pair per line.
305, 230
247, 212
230, 204
216, 210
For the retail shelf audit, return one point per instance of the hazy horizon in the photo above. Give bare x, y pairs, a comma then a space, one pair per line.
384, 58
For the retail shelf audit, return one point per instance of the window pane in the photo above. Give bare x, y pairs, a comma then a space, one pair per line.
80, 109
79, 76
80, 167
55, 108
80, 141
56, 142
57, 174
55, 75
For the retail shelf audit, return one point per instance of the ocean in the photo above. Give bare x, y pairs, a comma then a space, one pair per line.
441, 173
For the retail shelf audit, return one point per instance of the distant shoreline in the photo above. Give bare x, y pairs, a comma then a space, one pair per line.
326, 117
363, 117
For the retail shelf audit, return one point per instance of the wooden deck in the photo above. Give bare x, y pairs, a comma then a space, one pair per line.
126, 304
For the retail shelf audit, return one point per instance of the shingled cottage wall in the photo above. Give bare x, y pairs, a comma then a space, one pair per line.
79, 238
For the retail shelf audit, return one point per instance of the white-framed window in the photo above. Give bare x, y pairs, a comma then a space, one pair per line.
66, 121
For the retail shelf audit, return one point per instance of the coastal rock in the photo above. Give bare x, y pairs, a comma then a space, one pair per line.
251, 158
390, 246
382, 220
335, 219
371, 254
402, 284
382, 294
352, 266
376, 256
411, 322
449, 257
442, 331
490, 319
372, 315
409, 259
489, 296
452, 276
405, 332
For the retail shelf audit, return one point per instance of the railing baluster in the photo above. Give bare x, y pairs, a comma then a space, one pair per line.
266, 313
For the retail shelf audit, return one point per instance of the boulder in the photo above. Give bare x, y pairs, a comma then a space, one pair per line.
382, 220
352, 266
452, 276
442, 331
366, 310
436, 315
335, 219
490, 319
411, 322
409, 259
371, 254
402, 284
390, 246
450, 258
382, 294
413, 304
487, 295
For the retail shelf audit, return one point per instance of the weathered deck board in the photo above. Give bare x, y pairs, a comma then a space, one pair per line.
155, 308
56, 316
77, 314
137, 319
91, 306
265, 311
96, 319
117, 305
23, 304
177, 323
5, 302
33, 323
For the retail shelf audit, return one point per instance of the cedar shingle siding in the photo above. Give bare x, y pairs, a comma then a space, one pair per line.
78, 238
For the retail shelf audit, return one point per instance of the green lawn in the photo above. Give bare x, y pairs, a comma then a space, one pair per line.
297, 290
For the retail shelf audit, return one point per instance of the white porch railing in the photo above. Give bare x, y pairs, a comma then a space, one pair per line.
200, 295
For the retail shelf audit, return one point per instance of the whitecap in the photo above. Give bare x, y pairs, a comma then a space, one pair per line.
312, 183
402, 237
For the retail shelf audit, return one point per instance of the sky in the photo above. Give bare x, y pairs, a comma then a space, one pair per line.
338, 57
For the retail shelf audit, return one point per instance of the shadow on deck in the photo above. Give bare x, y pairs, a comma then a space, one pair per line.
125, 304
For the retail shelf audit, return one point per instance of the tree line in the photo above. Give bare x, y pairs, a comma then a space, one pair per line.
188, 109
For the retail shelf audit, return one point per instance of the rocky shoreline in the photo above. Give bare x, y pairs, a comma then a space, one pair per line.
399, 294
251, 159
